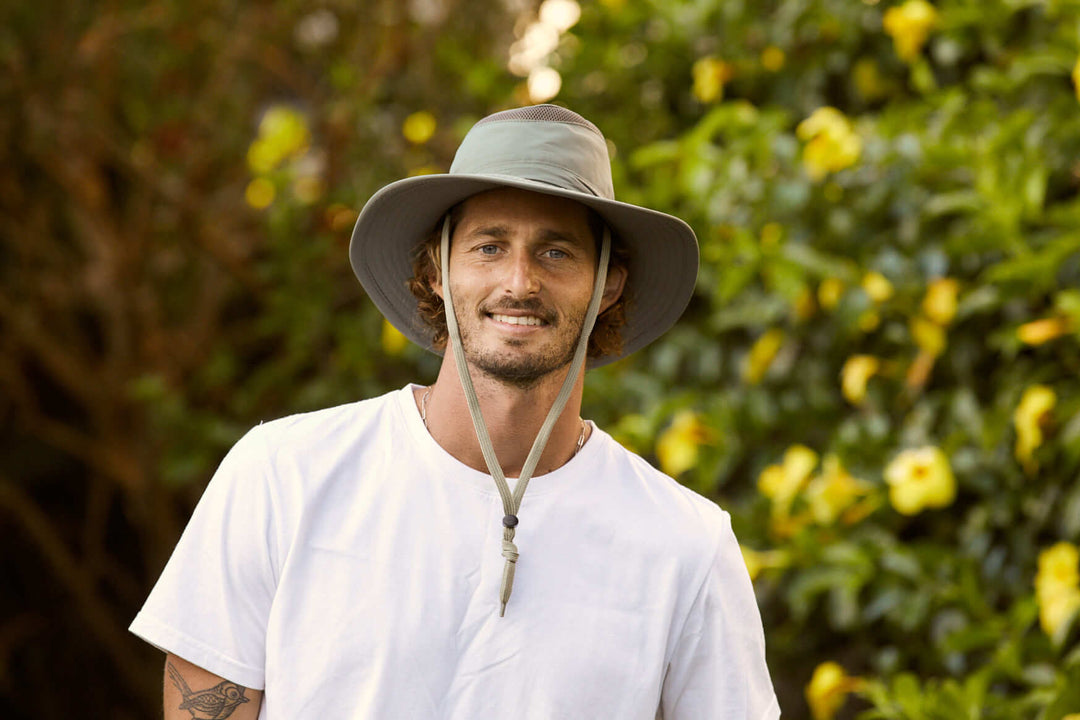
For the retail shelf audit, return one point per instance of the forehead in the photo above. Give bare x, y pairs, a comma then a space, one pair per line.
511, 206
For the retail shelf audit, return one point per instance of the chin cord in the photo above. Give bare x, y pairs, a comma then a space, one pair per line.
512, 501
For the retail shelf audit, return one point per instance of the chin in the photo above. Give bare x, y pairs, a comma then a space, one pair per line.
518, 370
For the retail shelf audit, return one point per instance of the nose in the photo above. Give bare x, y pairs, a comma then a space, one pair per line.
523, 277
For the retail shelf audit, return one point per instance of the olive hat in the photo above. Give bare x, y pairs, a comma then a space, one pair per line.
542, 148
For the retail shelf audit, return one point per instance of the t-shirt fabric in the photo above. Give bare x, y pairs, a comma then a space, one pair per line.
348, 566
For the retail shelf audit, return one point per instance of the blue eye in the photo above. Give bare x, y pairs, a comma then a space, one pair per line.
488, 249
557, 254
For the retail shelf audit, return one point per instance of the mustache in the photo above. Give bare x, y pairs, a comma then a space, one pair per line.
533, 306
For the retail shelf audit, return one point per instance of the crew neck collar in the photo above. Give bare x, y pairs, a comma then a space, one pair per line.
540, 484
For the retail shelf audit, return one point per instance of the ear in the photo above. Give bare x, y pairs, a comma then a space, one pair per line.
434, 270
435, 281
435, 258
613, 286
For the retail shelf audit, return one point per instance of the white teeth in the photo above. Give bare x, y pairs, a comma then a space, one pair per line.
517, 320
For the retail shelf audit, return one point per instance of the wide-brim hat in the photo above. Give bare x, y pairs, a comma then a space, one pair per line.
546, 149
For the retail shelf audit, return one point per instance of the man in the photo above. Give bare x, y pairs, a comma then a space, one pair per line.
384, 560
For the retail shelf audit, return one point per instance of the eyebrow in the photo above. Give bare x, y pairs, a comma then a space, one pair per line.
496, 231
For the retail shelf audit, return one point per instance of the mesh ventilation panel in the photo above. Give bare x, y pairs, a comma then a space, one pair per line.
541, 113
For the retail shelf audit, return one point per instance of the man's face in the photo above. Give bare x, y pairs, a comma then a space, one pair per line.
522, 266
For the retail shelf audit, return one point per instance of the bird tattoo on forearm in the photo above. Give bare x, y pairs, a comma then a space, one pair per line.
215, 703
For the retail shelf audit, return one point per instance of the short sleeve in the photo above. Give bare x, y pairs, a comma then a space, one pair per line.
718, 669
212, 602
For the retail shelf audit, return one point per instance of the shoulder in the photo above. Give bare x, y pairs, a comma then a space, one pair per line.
321, 430
659, 502
314, 444
351, 416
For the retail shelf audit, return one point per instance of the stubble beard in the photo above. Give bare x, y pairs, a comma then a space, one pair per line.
524, 370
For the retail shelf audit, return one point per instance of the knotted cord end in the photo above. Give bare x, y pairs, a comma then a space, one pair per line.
509, 552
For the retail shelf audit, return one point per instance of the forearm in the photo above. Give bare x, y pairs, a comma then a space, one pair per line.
191, 692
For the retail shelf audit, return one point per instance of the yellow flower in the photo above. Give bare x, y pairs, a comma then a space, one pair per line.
1031, 416
828, 688
909, 25
259, 193
1059, 566
831, 142
940, 302
920, 479
762, 355
677, 447
1041, 331
1076, 78
419, 127
283, 134
833, 491
772, 58
781, 483
829, 292
877, 286
929, 336
1057, 587
262, 157
286, 126
1056, 611
857, 371
393, 342
757, 560
710, 75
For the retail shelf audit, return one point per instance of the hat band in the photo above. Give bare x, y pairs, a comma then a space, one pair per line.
544, 173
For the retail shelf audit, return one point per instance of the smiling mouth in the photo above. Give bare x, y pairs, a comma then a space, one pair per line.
518, 319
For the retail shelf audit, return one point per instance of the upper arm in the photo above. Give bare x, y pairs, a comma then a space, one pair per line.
191, 692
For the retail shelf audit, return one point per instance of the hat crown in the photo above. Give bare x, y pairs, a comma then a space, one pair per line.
541, 143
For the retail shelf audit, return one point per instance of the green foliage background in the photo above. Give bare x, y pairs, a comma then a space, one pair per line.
149, 315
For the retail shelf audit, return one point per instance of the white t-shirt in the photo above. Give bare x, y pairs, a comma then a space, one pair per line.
346, 563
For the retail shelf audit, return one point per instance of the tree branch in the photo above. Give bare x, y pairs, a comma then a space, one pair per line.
75, 374
99, 617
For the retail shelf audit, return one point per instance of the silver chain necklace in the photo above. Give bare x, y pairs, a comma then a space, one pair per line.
423, 416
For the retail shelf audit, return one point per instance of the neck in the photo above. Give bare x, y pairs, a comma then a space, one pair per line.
513, 416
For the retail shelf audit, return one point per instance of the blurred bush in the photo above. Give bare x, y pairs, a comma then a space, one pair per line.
881, 360
878, 376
